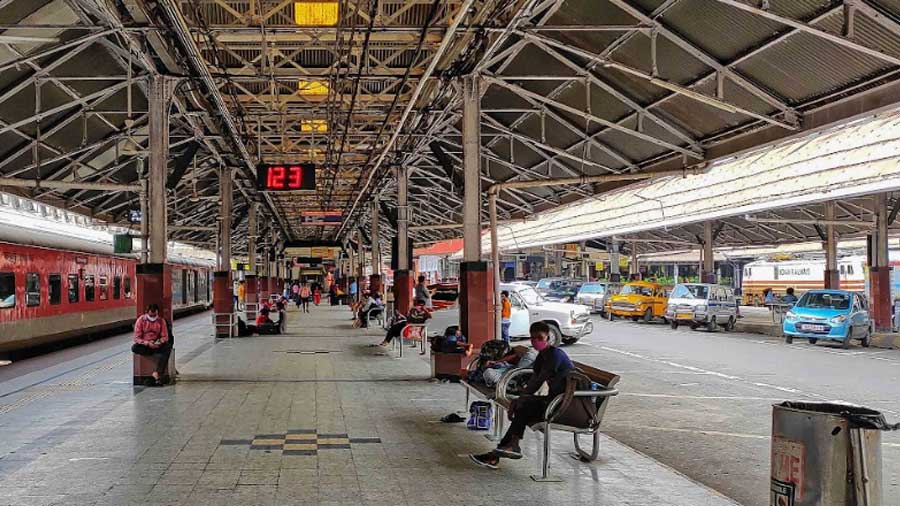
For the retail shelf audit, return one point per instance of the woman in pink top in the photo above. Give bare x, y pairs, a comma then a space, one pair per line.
151, 338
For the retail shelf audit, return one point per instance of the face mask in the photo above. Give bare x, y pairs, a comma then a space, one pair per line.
539, 345
152, 318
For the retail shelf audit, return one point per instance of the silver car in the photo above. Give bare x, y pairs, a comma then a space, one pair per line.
702, 305
596, 294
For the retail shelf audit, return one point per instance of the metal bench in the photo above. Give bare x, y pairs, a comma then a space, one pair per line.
413, 332
501, 397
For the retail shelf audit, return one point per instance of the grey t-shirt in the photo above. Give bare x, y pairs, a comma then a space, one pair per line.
421, 292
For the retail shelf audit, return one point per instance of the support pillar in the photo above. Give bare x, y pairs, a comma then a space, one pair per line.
403, 282
614, 274
361, 268
634, 269
223, 289
375, 278
476, 279
154, 278
263, 275
251, 281
832, 275
708, 267
879, 268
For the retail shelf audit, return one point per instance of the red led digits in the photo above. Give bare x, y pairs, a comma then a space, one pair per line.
276, 178
295, 177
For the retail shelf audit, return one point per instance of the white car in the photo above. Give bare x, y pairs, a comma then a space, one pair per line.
568, 322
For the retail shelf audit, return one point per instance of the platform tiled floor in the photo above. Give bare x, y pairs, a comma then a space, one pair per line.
313, 417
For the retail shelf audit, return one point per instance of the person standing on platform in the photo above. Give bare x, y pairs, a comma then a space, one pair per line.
505, 315
241, 291
421, 292
354, 288
151, 338
305, 295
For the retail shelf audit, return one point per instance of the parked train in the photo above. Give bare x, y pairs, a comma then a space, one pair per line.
54, 288
809, 274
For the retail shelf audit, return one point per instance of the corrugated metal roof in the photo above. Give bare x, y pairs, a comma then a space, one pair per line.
858, 159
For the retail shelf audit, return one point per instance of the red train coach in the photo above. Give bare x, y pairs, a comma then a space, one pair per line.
70, 287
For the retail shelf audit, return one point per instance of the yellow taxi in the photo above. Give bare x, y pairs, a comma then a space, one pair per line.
639, 300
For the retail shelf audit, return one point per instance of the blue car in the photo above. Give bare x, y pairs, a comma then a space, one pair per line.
829, 315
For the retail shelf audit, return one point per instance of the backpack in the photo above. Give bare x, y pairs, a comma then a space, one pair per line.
574, 411
479, 416
493, 350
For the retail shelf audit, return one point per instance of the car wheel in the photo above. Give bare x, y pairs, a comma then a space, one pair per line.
648, 315
788, 339
635, 318
569, 340
712, 325
730, 325
674, 324
813, 340
845, 344
556, 337
867, 339
694, 326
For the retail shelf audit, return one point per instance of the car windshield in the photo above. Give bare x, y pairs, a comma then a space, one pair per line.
690, 292
825, 300
529, 295
593, 288
637, 290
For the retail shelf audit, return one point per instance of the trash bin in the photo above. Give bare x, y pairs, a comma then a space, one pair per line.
826, 454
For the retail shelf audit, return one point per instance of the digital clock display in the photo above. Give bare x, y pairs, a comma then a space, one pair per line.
286, 177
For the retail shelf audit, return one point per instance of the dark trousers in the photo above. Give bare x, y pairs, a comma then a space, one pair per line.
528, 411
394, 331
162, 354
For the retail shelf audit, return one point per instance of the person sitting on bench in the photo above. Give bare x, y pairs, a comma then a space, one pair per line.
418, 315
518, 357
373, 301
550, 367
151, 338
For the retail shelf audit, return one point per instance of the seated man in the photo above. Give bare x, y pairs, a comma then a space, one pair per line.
418, 315
550, 367
518, 357
152, 338
372, 302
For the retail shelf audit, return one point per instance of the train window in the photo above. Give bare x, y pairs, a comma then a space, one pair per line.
73, 288
104, 288
850, 269
7, 290
117, 287
89, 288
127, 287
54, 287
843, 268
32, 289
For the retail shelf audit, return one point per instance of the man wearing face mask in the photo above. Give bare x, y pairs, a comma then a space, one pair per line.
151, 338
550, 367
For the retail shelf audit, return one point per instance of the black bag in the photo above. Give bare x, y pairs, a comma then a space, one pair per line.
438, 343
493, 350
574, 411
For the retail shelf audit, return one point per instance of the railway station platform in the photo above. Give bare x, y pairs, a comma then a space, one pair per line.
316, 416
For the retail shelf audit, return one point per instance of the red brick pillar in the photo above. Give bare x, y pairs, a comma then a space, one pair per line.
375, 283
880, 297
223, 301
263, 289
403, 283
832, 280
476, 302
251, 296
154, 286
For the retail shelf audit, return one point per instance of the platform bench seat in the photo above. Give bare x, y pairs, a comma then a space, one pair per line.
502, 395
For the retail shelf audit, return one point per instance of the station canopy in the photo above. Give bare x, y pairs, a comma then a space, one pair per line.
359, 87
772, 195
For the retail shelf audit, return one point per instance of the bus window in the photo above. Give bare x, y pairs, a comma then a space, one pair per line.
54, 288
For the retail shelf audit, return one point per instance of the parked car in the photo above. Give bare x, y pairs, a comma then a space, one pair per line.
544, 285
596, 295
639, 300
568, 322
563, 292
702, 305
829, 315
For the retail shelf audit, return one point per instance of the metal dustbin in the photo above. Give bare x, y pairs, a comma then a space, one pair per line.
826, 454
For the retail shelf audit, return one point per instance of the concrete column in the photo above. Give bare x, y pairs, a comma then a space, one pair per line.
476, 279
154, 278
879, 268
375, 278
251, 280
708, 267
223, 297
634, 268
675, 272
403, 281
361, 267
832, 275
263, 276
614, 274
